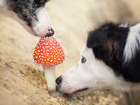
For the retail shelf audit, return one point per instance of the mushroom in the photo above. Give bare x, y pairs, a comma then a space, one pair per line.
48, 53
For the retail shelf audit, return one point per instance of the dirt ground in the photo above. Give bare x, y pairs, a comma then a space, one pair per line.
21, 80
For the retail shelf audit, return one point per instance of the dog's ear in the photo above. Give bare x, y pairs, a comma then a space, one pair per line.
102, 44
111, 48
95, 39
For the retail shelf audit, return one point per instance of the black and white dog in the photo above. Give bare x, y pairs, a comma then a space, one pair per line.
110, 59
30, 13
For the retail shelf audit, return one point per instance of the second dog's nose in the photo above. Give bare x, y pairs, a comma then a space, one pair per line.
58, 80
50, 32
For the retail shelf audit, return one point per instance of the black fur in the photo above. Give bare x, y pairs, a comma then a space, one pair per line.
133, 67
26, 9
107, 43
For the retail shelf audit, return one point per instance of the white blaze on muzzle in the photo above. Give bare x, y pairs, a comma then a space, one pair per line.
43, 26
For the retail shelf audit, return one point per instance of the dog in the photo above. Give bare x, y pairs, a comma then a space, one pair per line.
110, 59
29, 13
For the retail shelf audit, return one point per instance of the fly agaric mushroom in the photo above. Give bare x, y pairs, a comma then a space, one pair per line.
48, 53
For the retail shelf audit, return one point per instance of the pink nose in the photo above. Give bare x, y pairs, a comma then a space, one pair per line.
50, 32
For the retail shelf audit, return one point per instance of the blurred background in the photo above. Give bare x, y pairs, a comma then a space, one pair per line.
21, 80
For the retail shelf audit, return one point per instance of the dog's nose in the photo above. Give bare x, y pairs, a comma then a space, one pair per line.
59, 80
50, 32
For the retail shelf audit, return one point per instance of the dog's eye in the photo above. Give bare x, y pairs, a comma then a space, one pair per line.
41, 1
83, 60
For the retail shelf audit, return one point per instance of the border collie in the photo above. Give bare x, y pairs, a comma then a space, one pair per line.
29, 13
110, 59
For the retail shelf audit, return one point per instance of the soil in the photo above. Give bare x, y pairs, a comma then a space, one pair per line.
21, 80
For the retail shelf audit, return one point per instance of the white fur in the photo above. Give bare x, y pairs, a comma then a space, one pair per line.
94, 74
124, 25
41, 28
131, 44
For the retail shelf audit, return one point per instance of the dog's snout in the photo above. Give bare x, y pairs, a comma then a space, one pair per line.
50, 32
59, 80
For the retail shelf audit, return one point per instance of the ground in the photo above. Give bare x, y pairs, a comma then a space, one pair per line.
21, 80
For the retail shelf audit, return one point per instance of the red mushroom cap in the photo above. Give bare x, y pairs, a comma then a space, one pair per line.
48, 52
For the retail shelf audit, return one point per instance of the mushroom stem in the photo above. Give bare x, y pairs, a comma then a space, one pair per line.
49, 73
